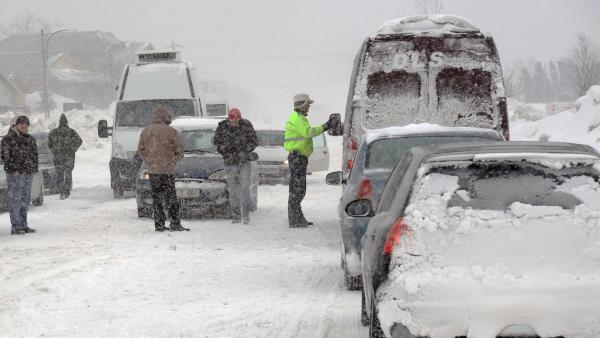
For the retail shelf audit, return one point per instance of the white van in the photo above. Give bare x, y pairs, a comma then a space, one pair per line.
216, 107
157, 78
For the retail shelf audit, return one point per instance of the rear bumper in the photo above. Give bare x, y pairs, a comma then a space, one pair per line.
352, 230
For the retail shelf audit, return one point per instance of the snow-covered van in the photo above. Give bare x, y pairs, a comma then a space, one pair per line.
424, 69
157, 78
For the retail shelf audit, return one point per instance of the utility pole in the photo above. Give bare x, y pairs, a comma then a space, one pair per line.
44, 75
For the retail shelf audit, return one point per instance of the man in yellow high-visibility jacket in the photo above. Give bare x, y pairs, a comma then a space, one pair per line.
298, 142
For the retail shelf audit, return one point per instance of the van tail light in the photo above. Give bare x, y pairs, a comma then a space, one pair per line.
352, 143
365, 189
393, 238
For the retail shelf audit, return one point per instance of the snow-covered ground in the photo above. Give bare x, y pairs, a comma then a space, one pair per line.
95, 269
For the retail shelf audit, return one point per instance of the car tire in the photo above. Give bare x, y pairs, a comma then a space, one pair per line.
352, 283
364, 316
40, 200
375, 330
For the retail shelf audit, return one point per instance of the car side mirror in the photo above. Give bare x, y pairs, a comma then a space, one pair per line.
337, 128
359, 208
335, 178
104, 130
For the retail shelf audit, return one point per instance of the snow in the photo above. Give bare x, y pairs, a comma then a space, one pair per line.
95, 269
419, 128
185, 122
462, 271
434, 25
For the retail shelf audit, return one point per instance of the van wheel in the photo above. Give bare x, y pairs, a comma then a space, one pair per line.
375, 330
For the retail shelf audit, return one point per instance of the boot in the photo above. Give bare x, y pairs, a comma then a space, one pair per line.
178, 227
28, 230
160, 227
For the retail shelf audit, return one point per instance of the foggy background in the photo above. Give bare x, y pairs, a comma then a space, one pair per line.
268, 50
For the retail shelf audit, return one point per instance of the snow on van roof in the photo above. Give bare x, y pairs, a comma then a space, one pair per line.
422, 128
428, 25
188, 122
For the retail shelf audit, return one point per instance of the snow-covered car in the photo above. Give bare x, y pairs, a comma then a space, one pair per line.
199, 177
37, 188
438, 69
485, 240
273, 163
46, 162
379, 151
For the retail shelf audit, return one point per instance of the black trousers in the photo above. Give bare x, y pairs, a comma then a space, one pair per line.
298, 164
64, 178
163, 191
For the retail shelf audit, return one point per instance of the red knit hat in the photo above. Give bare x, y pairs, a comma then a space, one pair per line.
234, 113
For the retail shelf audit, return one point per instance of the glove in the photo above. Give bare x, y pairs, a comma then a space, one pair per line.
325, 126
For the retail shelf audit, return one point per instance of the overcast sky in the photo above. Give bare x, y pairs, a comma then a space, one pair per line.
273, 48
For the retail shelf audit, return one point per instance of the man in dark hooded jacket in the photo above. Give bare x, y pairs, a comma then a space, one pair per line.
63, 143
235, 139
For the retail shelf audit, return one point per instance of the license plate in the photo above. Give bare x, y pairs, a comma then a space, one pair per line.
187, 193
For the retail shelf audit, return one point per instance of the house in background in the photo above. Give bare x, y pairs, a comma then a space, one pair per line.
12, 97
82, 65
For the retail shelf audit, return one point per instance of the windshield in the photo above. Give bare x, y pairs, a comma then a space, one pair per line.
385, 153
216, 109
157, 81
41, 141
270, 138
199, 140
140, 113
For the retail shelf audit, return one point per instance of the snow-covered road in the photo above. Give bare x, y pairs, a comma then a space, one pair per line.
95, 269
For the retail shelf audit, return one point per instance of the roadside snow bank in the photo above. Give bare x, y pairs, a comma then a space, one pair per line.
520, 269
577, 127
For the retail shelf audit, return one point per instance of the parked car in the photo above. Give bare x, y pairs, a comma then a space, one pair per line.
437, 69
199, 177
485, 239
378, 153
272, 157
46, 162
37, 189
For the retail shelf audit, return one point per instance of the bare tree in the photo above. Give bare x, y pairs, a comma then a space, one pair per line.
583, 64
428, 7
28, 22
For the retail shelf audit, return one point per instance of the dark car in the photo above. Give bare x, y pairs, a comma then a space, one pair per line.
377, 154
46, 162
199, 177
499, 238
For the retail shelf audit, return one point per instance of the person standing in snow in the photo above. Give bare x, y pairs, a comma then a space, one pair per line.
235, 139
298, 142
63, 143
160, 147
18, 151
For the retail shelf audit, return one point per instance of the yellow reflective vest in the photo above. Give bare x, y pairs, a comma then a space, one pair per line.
299, 134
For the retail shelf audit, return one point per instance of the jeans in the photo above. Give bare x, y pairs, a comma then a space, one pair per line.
238, 186
19, 198
163, 190
298, 164
64, 178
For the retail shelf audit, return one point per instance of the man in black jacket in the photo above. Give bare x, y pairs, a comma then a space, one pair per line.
235, 139
63, 143
18, 151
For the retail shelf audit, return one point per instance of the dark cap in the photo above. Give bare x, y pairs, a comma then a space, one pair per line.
22, 119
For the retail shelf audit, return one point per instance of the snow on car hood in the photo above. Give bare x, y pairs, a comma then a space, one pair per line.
198, 166
465, 271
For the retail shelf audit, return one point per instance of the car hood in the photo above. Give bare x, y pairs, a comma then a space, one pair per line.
271, 153
199, 166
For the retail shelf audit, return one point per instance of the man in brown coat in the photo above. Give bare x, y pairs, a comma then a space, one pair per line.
161, 148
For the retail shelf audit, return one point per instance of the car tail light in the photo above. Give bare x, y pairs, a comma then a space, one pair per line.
396, 232
365, 189
350, 162
506, 135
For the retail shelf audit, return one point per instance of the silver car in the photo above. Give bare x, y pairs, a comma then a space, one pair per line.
377, 154
485, 239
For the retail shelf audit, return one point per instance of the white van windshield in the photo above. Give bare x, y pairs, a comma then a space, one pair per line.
140, 113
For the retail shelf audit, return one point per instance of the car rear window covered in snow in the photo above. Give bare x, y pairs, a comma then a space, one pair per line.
198, 140
140, 113
385, 153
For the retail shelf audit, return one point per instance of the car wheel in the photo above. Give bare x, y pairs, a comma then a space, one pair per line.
40, 200
364, 316
351, 282
375, 328
117, 191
